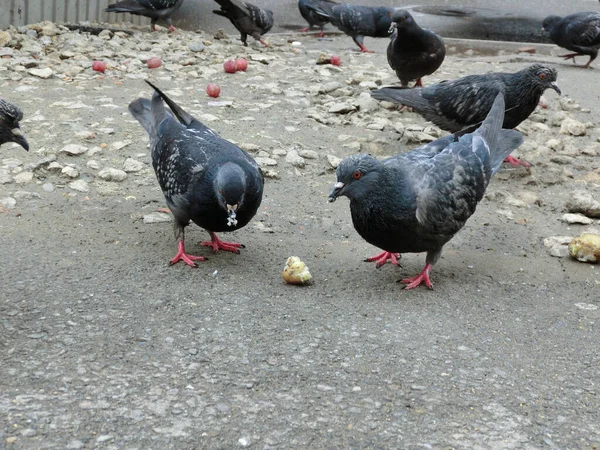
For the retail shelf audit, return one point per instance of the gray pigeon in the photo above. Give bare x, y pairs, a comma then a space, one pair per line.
459, 106
154, 9
417, 201
578, 32
10, 131
357, 21
247, 18
313, 19
204, 178
413, 52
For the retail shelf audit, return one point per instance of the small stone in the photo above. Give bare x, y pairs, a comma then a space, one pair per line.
106, 35
11, 440
250, 148
366, 103
558, 245
7, 202
583, 202
579, 219
73, 149
341, 108
585, 248
329, 87
196, 46
263, 161
157, 217
48, 187
23, 177
70, 172
133, 165
572, 127
93, 164
295, 159
270, 173
555, 144
308, 154
79, 186
26, 195
41, 73
333, 161
112, 174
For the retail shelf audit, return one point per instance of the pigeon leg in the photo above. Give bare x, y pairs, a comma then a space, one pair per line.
183, 256
217, 244
415, 281
263, 42
172, 28
418, 83
569, 56
364, 49
383, 257
516, 162
589, 62
321, 34
304, 30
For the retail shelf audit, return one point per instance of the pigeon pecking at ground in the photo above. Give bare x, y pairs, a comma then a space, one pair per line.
10, 131
413, 52
247, 18
313, 19
578, 32
459, 106
357, 21
417, 201
155, 9
204, 178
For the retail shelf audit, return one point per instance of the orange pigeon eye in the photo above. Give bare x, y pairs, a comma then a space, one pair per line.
542, 76
356, 175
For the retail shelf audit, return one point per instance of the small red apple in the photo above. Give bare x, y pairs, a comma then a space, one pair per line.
335, 60
213, 90
99, 66
230, 66
154, 63
241, 64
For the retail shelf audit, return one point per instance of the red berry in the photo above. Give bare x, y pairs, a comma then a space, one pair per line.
230, 66
241, 64
154, 63
213, 90
335, 60
99, 66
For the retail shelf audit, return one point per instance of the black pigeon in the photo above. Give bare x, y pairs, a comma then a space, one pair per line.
413, 52
247, 18
155, 9
10, 131
417, 201
357, 21
460, 105
204, 178
578, 32
313, 19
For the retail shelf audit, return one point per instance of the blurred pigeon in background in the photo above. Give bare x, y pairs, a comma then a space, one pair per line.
579, 33
247, 18
154, 9
10, 131
417, 201
313, 19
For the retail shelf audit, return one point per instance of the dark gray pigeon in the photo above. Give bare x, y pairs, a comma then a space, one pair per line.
413, 52
154, 9
459, 106
10, 131
357, 21
247, 18
313, 19
417, 201
578, 32
204, 178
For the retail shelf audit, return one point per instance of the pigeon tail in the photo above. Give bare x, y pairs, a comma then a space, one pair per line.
181, 115
413, 98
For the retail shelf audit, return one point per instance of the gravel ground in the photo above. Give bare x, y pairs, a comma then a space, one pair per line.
103, 345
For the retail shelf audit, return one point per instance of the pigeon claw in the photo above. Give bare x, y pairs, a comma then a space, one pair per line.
364, 49
383, 257
172, 28
418, 83
415, 281
516, 162
217, 244
321, 34
303, 30
186, 258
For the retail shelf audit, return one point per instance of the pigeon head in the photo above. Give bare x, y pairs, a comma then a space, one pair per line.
357, 175
10, 115
549, 22
230, 187
401, 18
542, 77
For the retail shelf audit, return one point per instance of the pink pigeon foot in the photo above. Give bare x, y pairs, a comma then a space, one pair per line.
217, 244
303, 30
423, 277
364, 49
383, 257
186, 258
516, 162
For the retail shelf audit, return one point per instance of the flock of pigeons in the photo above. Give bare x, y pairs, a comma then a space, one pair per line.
412, 202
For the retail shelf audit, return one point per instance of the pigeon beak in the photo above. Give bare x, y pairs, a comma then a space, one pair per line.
555, 87
19, 138
337, 191
392, 27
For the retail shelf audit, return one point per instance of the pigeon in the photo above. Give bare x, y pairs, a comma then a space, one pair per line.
204, 178
155, 9
578, 32
459, 106
10, 131
413, 52
247, 18
417, 201
312, 17
356, 21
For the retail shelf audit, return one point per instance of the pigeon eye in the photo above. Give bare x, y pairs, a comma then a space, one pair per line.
542, 76
356, 175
